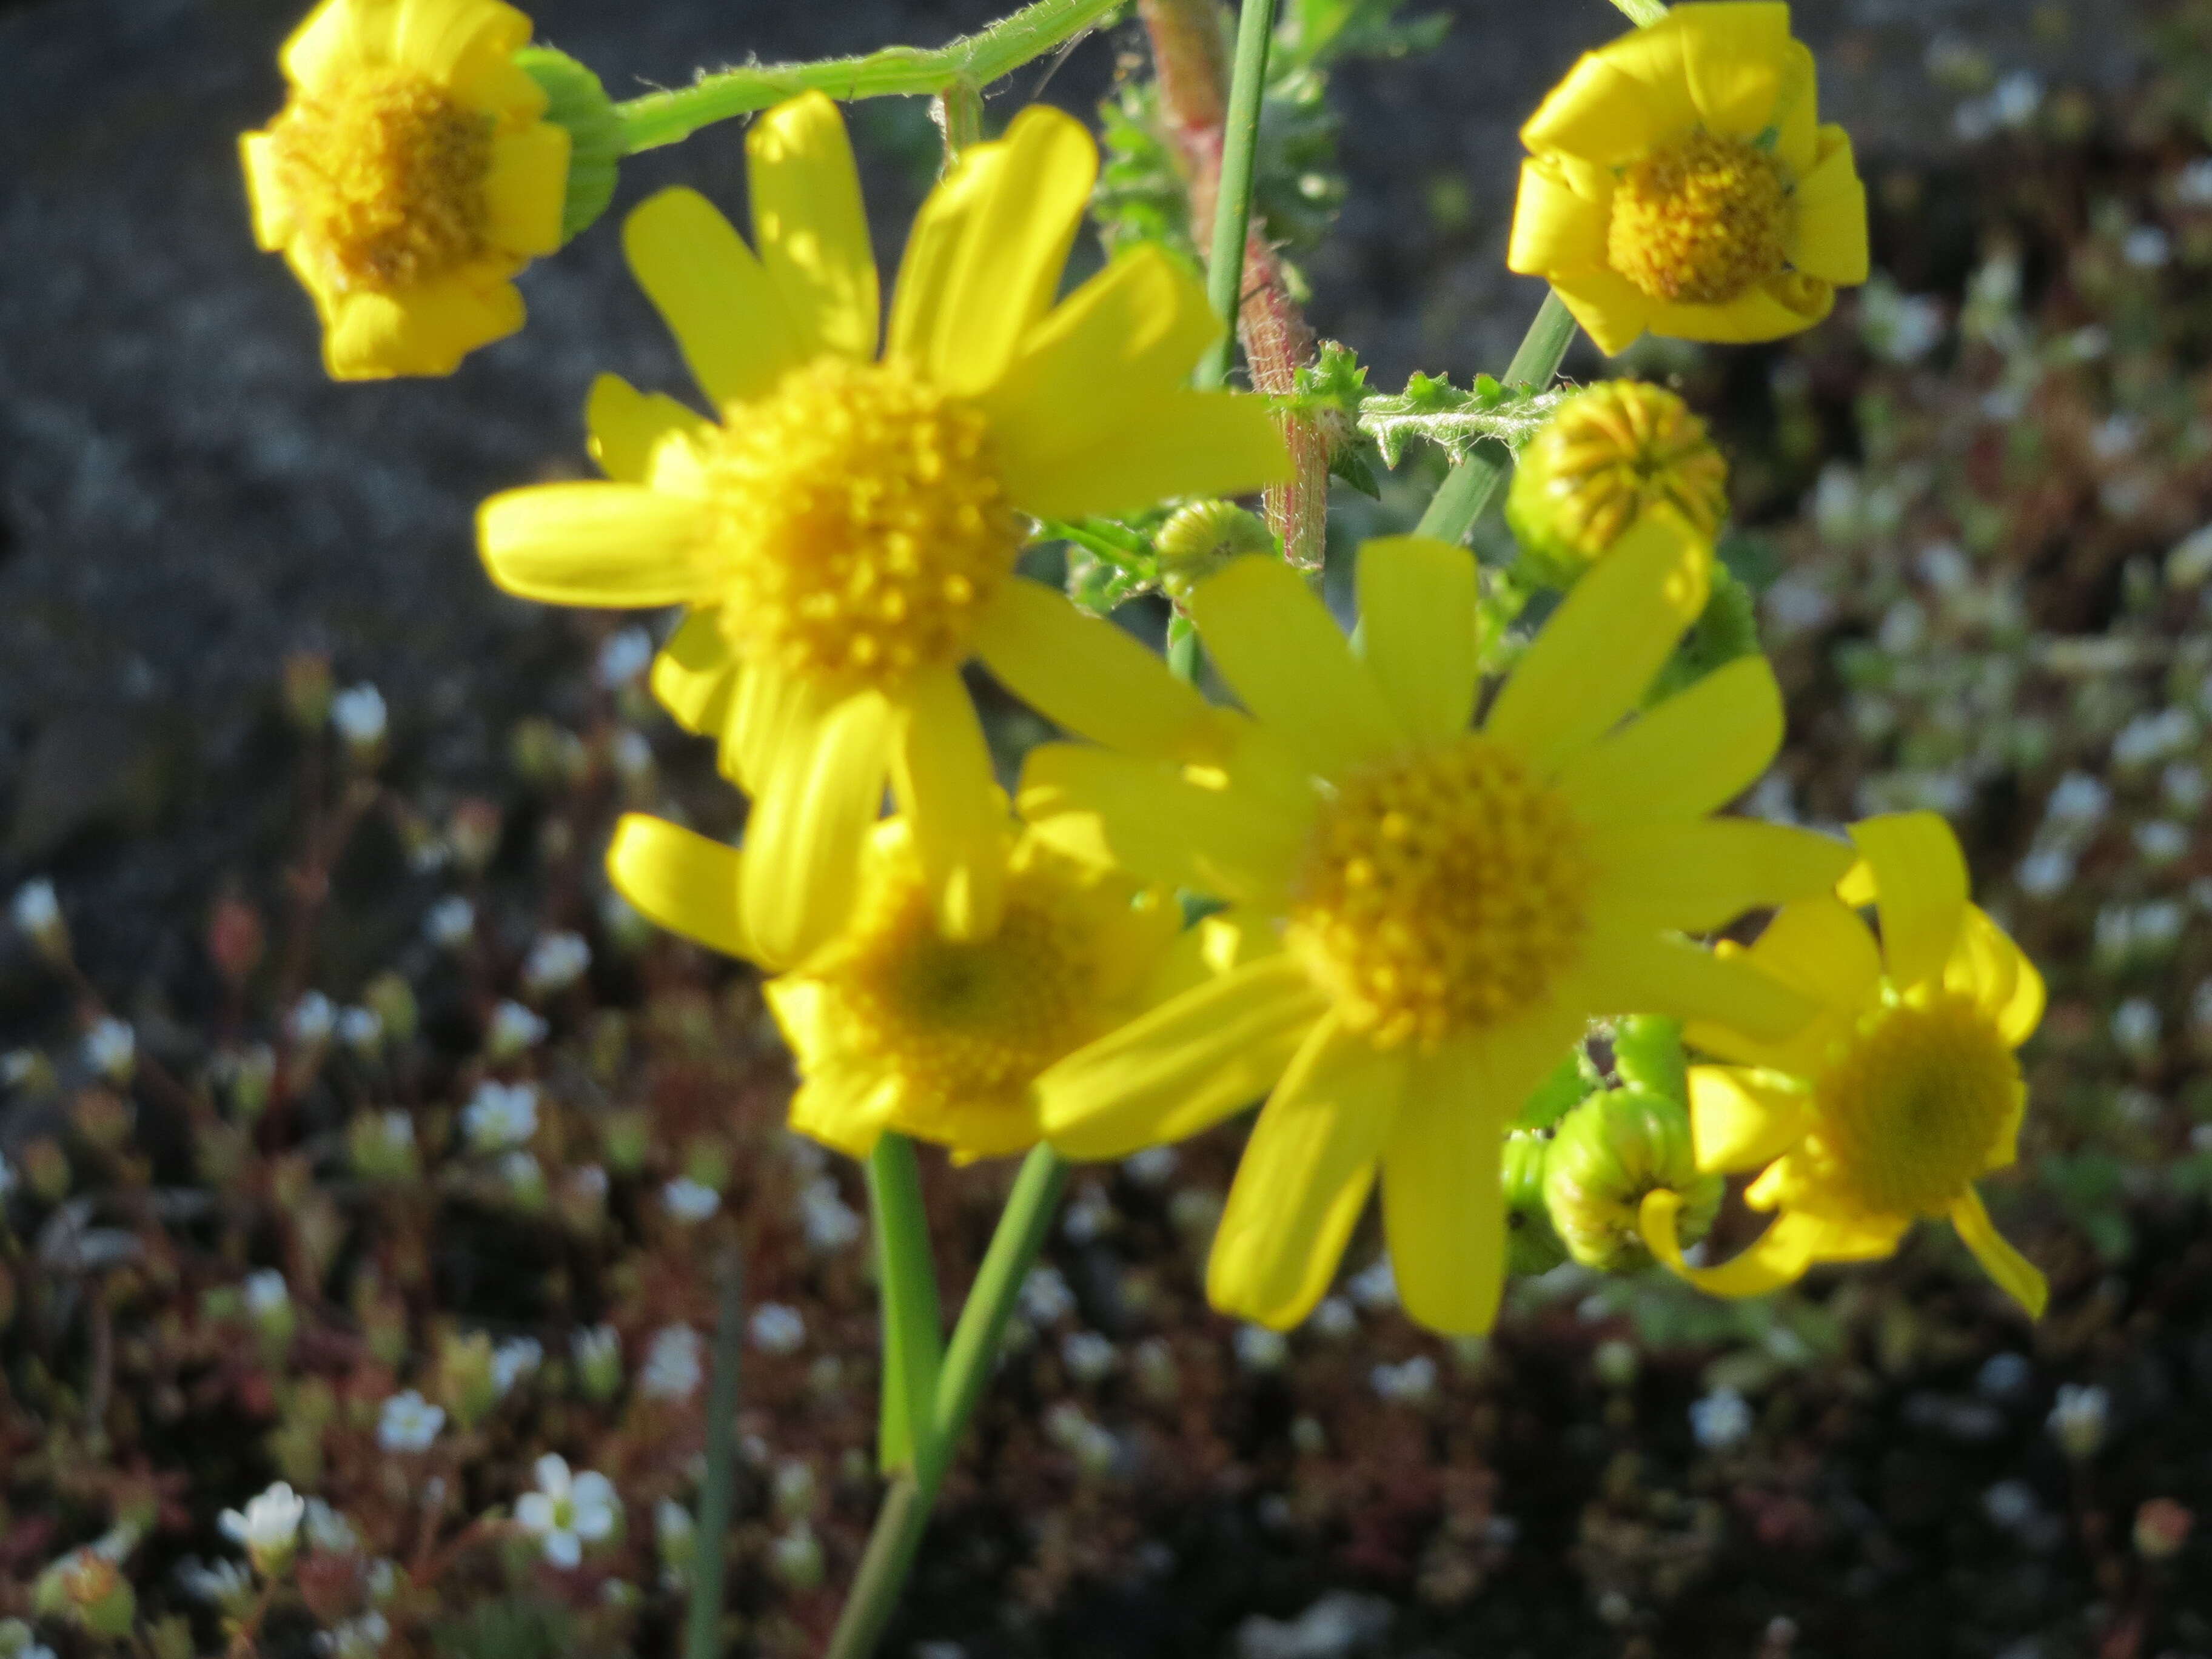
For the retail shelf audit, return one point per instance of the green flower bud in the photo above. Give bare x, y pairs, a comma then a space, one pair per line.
1606, 1154
1647, 1052
1610, 453
1531, 1244
581, 106
1197, 540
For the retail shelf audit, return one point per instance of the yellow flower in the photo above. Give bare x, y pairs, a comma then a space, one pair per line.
1427, 914
847, 531
1677, 181
410, 177
1610, 453
897, 1027
1890, 1104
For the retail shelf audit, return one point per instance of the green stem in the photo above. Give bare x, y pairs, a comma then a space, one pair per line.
702, 1628
1467, 487
906, 1282
1232, 202
974, 60
975, 1342
958, 113
1641, 12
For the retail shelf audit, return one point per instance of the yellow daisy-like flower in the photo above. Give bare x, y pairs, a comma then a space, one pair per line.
1889, 1104
409, 179
847, 531
1678, 182
1429, 912
897, 1027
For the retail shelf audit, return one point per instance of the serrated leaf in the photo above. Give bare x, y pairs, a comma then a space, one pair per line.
1433, 409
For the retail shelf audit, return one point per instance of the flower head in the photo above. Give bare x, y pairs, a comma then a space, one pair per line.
409, 1423
410, 177
844, 524
896, 1025
1424, 914
501, 1115
675, 1363
1678, 181
269, 1528
569, 1512
1895, 1098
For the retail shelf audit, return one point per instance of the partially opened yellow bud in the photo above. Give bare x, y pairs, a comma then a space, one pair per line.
410, 177
1679, 182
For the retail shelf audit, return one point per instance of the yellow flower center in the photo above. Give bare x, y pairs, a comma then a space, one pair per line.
1442, 893
1700, 222
861, 522
1615, 451
385, 176
1912, 1110
965, 1024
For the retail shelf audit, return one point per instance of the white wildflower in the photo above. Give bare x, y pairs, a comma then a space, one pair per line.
1259, 1349
514, 1359
329, 1531
569, 1512
674, 1365
513, 1028
777, 1327
269, 1529
361, 1030
1046, 1299
2079, 1420
1376, 1286
110, 1048
1088, 1355
1153, 1166
1405, 1384
690, 1201
409, 1423
830, 1224
313, 1018
501, 1115
451, 922
359, 714
623, 657
224, 1584
556, 962
1720, 1420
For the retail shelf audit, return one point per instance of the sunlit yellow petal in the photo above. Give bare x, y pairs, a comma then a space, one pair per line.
1209, 948
337, 37
683, 881
1280, 652
1183, 1066
847, 1108
420, 331
1740, 1119
1612, 310
2016, 1276
1417, 621
1694, 753
1305, 1178
769, 711
1182, 443
612, 544
1591, 662
949, 797
803, 840
1831, 234
625, 424
1987, 966
1742, 69
1703, 874
694, 674
1556, 231
526, 188
933, 247
1444, 1208
716, 298
810, 226
1787, 304
1617, 102
437, 36
1823, 949
1920, 891
273, 219
1779, 1257
1650, 974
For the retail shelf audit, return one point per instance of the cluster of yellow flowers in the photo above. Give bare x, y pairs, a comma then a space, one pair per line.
1417, 890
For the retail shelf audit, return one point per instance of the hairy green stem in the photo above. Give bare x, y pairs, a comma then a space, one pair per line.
1232, 202
972, 60
1468, 486
968, 1359
907, 1283
703, 1626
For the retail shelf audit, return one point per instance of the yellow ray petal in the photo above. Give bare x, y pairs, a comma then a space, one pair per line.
526, 189
1630, 973
1556, 232
1184, 1066
625, 424
273, 220
1281, 653
1700, 876
683, 881
1180, 443
423, 331
1591, 662
1444, 1209
1743, 70
1987, 966
846, 1108
1821, 947
810, 226
437, 36
1919, 889
1788, 304
769, 711
933, 244
1417, 619
717, 299
1829, 239
1097, 365
1018, 221
695, 673
1209, 948
1117, 809
2016, 1276
1740, 1119
1305, 1178
950, 797
1779, 1256
803, 840
612, 544
337, 39
1612, 310
1616, 102
1091, 677
1694, 753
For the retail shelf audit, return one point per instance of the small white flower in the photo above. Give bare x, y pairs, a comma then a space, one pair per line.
1046, 1299
625, 657
2185, 789
1259, 1349
396, 1129
2150, 737
1375, 1288
269, 1530
2014, 100
2146, 247
35, 911
266, 1292
362, 1637
2079, 1420
830, 1224
329, 1530
451, 923
2161, 840
795, 1556
110, 1048
1153, 1167
225, 1585
312, 1020
361, 1030
777, 1327
1090, 1216
690, 1201
359, 714
2046, 873
1088, 1355
1406, 1384
2135, 1028
2192, 185
1720, 1420
513, 1028
2078, 800
674, 1365
633, 755
409, 1423
514, 1359
1335, 1317
556, 962
794, 1486
501, 1115
569, 1512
